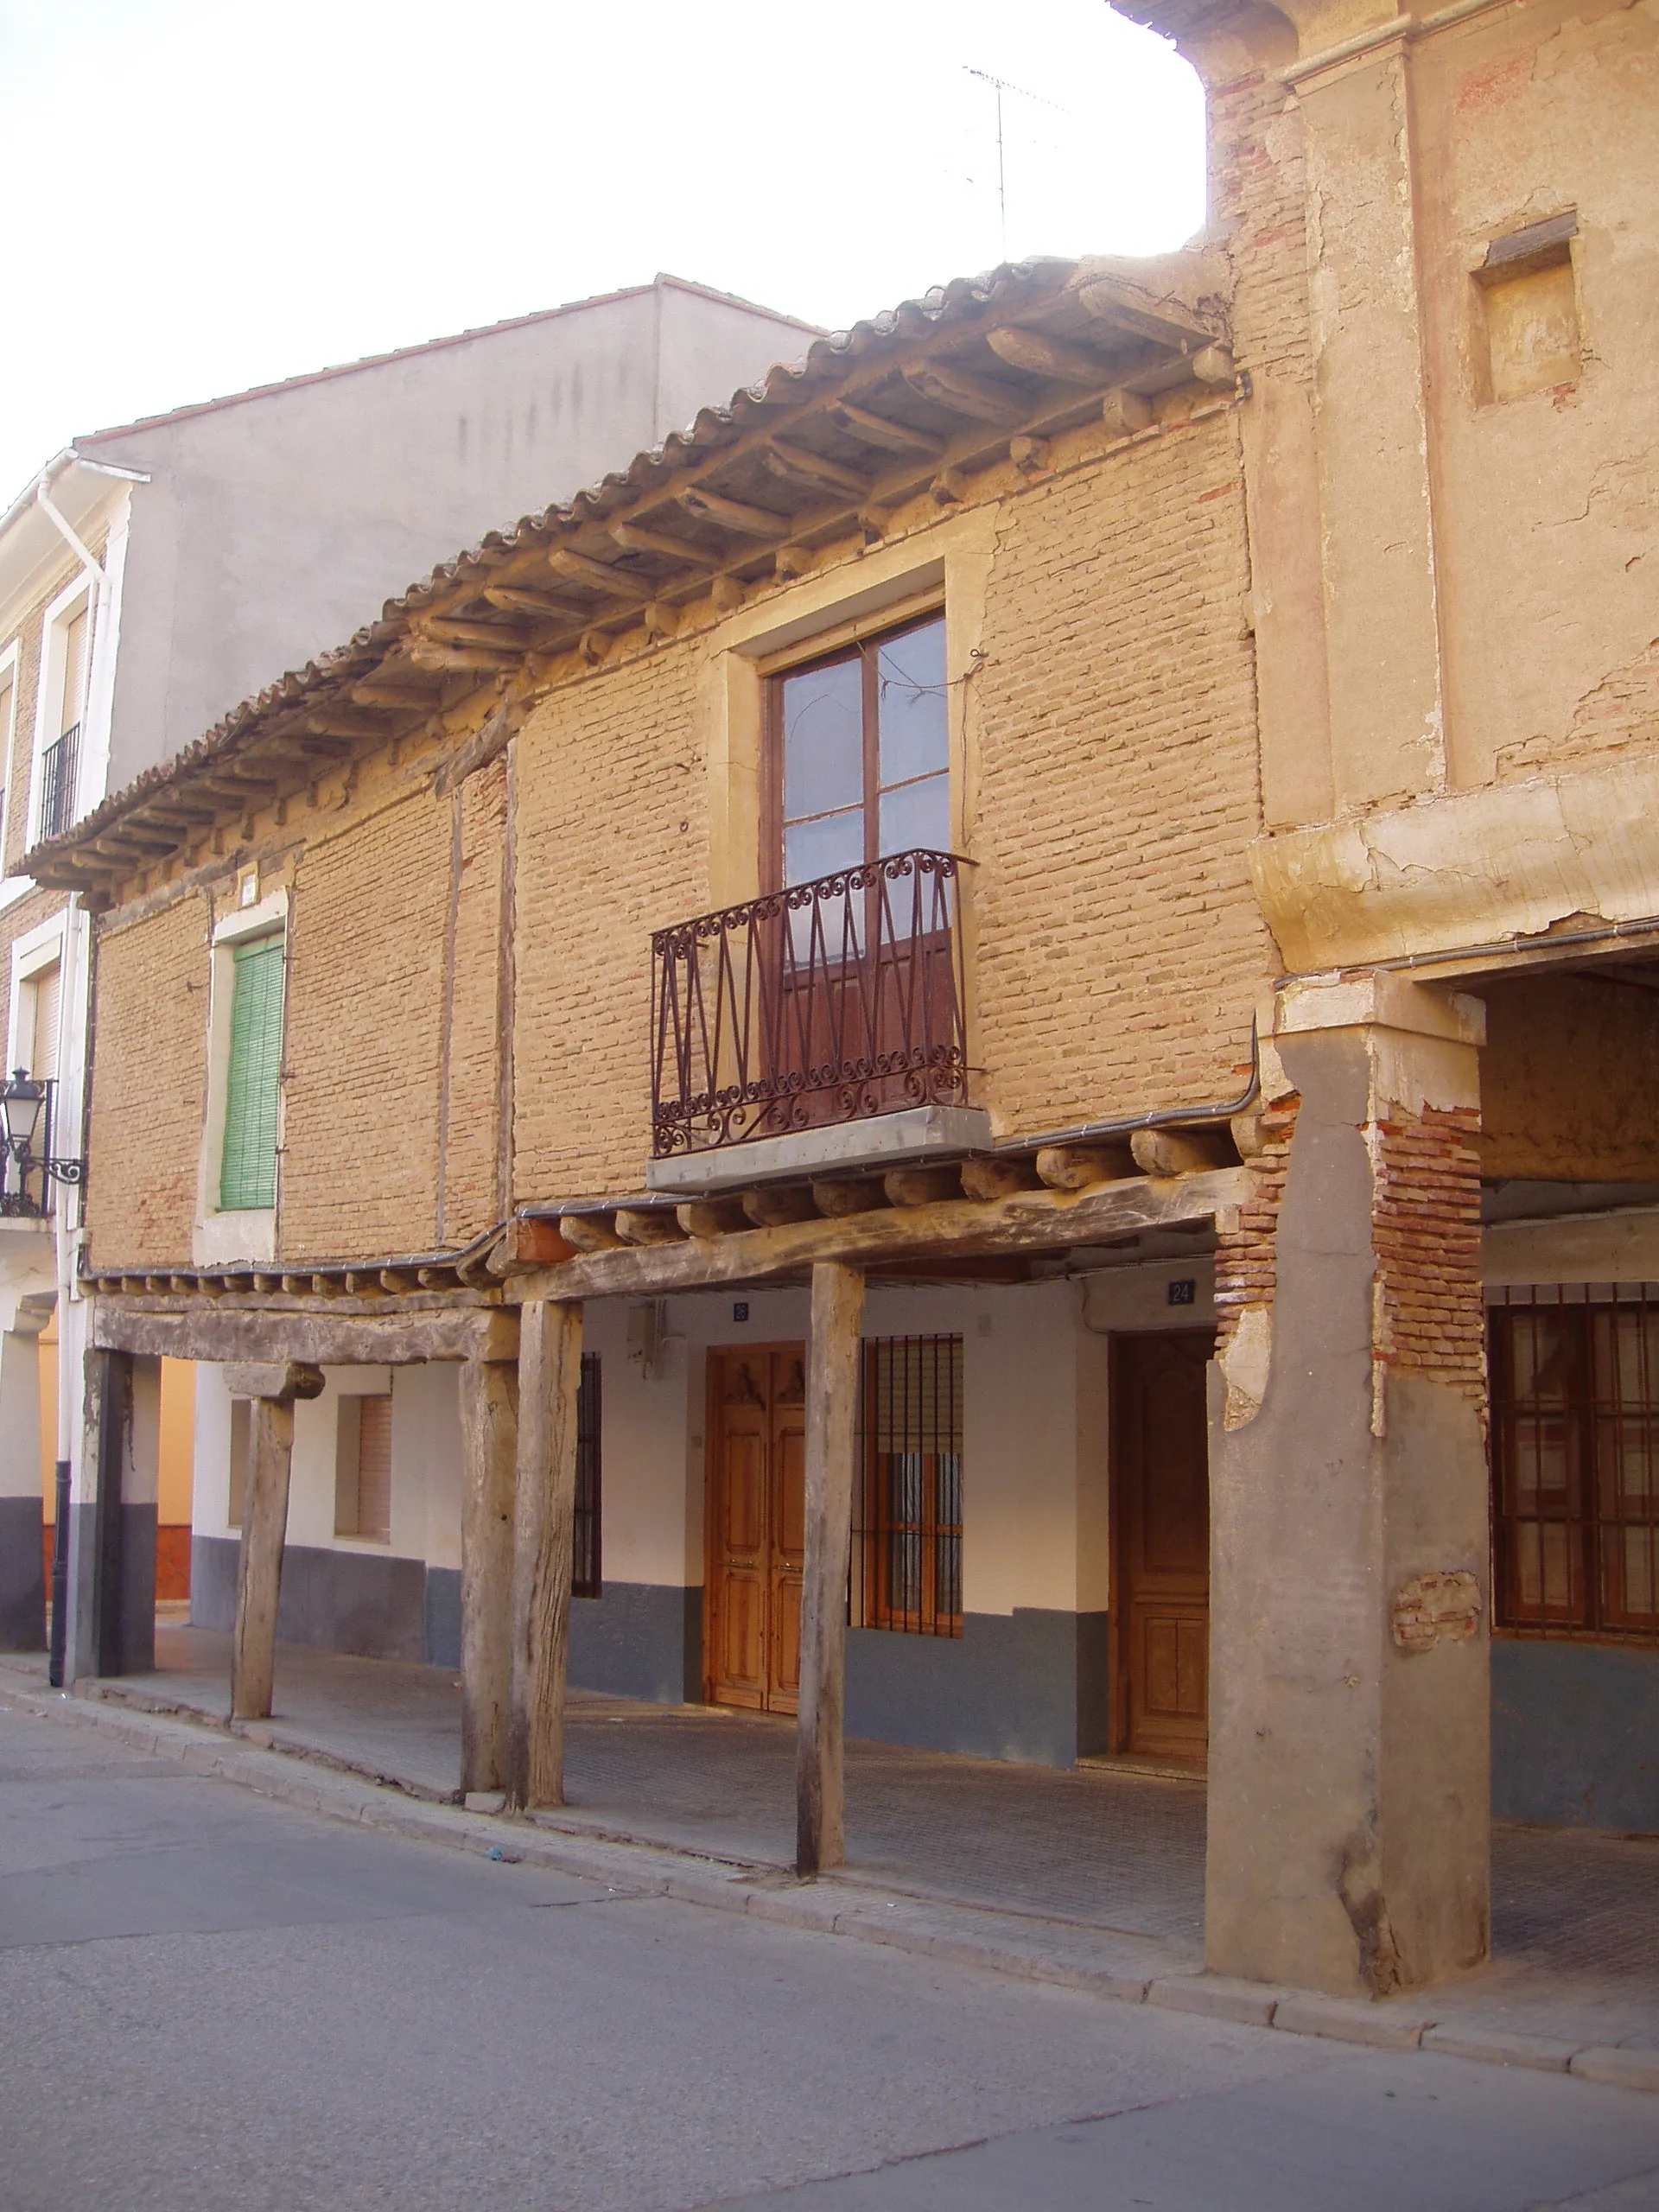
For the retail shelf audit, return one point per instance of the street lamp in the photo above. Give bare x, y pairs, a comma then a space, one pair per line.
22, 1100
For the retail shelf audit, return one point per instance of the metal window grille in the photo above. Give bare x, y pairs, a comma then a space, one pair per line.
907, 1533
1575, 1460
58, 783
585, 1575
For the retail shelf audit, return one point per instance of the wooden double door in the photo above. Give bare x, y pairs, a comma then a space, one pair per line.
756, 1526
1161, 1587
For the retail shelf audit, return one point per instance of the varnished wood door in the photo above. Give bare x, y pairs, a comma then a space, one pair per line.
1161, 1591
757, 1526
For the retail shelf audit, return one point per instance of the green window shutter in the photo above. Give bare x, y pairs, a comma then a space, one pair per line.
247, 1173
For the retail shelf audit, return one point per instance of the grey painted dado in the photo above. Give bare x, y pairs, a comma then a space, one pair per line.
22, 1575
372, 1604
640, 1639
1575, 1735
1029, 1685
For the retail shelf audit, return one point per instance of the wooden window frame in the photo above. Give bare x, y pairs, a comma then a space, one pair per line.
243, 951
1591, 1519
866, 649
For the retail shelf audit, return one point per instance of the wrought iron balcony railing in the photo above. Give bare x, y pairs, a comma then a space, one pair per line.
58, 765
820, 1003
27, 1171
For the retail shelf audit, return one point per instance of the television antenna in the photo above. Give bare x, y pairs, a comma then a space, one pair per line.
999, 86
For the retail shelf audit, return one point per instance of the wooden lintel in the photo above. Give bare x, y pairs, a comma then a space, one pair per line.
1025, 1221
732, 514
236, 1335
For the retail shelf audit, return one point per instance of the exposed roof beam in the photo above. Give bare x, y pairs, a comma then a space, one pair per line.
795, 462
946, 385
1041, 356
519, 599
491, 635
598, 575
733, 514
633, 537
878, 430
453, 659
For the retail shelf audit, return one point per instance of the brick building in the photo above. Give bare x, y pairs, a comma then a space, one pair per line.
152, 575
928, 1046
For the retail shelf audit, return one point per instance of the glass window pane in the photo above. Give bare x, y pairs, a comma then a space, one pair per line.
912, 705
916, 817
824, 847
824, 739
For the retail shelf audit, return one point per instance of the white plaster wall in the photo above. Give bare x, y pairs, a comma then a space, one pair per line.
426, 1467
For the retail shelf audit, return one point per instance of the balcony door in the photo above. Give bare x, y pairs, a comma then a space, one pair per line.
756, 1526
863, 977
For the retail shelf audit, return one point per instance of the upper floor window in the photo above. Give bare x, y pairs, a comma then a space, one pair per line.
37, 1023
247, 1175
859, 756
69, 654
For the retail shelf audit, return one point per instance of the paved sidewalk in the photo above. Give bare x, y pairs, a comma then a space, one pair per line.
1575, 1915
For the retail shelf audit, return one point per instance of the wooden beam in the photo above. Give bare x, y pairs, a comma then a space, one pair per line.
633, 537
1025, 1221
1180, 1151
403, 697
526, 1244
550, 1373
1078, 1167
712, 1217
489, 1434
214, 1333
493, 636
589, 1232
774, 1205
733, 514
836, 1196
647, 1225
273, 1389
831, 1419
946, 385
798, 465
597, 576
1040, 356
519, 599
921, 1186
888, 437
457, 659
999, 1177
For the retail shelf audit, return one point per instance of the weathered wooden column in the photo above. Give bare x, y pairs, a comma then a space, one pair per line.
489, 1429
831, 1418
550, 1374
1349, 1786
273, 1387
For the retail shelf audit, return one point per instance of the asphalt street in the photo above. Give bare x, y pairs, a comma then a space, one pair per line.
214, 2002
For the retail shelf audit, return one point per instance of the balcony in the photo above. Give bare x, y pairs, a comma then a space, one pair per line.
814, 1008
29, 1166
58, 765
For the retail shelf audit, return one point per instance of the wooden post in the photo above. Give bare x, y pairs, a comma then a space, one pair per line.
273, 1387
489, 1429
550, 1374
831, 1415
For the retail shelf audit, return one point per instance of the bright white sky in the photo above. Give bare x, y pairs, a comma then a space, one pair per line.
207, 194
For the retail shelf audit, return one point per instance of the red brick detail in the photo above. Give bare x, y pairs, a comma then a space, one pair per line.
1426, 1233
1247, 1269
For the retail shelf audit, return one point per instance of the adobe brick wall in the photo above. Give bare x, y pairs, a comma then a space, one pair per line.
470, 1198
361, 1047
1257, 200
1247, 1272
1120, 944
148, 1086
1425, 1231
612, 838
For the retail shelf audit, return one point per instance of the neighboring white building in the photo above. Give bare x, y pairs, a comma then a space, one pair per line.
155, 575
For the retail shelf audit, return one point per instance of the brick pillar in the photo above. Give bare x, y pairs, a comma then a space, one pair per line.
1349, 1705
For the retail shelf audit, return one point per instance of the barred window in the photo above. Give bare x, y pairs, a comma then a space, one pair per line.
585, 1579
1575, 1460
907, 1533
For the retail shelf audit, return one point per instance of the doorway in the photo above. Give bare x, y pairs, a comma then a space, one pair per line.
756, 1519
1160, 1567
